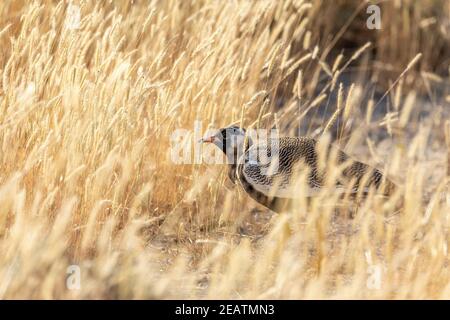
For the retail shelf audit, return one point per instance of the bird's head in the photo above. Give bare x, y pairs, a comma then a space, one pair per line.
230, 140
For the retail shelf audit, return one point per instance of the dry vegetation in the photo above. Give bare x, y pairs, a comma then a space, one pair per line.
87, 114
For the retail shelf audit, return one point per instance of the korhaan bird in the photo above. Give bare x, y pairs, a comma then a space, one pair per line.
267, 168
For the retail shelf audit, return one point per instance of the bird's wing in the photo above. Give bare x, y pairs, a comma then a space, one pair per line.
271, 169
274, 168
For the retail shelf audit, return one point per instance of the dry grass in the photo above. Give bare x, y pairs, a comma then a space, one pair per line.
87, 115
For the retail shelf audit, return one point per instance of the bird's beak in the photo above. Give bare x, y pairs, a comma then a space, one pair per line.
208, 139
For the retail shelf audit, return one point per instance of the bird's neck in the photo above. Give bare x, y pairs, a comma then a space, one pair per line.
233, 157
235, 152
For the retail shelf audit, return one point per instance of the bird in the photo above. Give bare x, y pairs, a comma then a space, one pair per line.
266, 168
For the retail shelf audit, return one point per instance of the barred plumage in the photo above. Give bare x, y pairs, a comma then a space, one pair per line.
272, 182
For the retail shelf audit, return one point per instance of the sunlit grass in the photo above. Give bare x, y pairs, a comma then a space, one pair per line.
87, 116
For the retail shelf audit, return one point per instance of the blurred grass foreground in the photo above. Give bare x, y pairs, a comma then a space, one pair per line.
92, 207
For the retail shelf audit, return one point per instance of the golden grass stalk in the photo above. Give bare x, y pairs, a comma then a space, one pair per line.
89, 117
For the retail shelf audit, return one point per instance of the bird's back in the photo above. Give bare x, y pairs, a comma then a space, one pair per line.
268, 169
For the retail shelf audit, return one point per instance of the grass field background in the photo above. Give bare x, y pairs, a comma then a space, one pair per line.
88, 109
